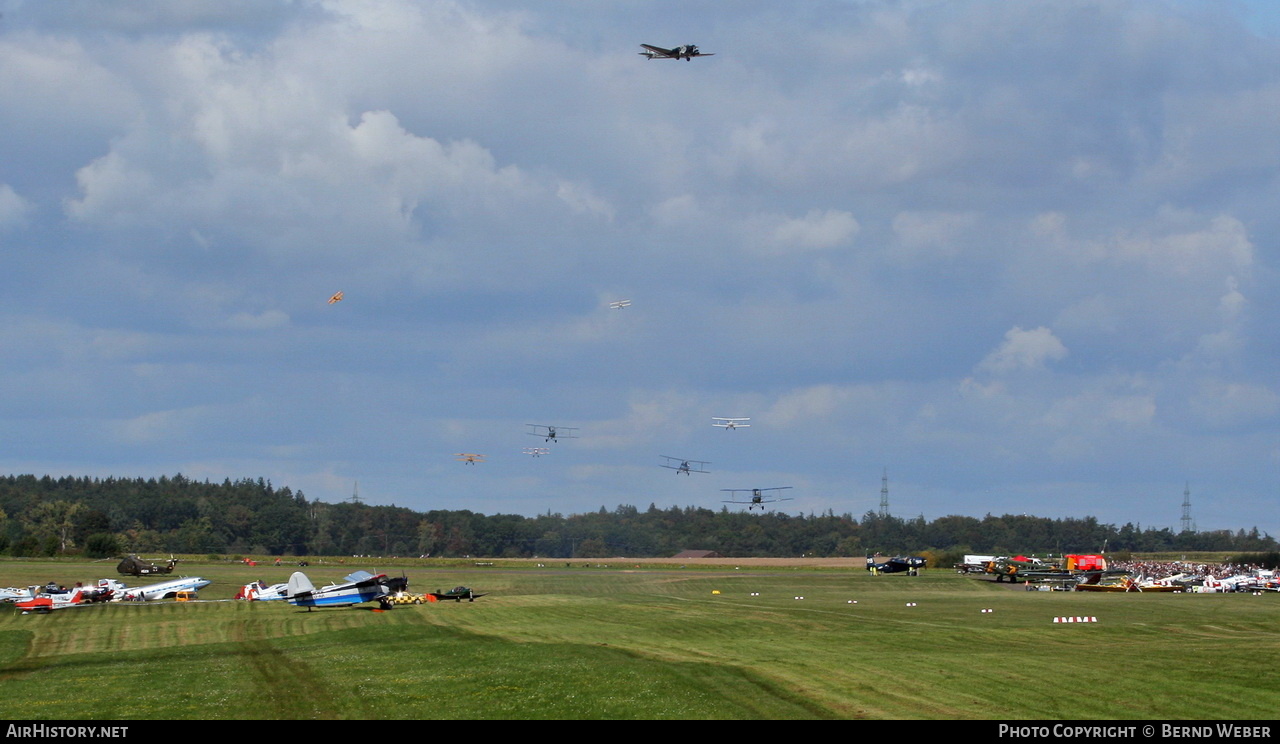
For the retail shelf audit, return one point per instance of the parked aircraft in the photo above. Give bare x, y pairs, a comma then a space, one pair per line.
552, 433
685, 52
897, 564
457, 594
164, 590
260, 592
79, 597
759, 496
135, 566
685, 466
730, 423
357, 588
16, 594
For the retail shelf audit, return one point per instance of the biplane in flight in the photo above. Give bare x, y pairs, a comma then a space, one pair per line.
731, 423
685, 52
337, 297
552, 433
759, 496
681, 465
536, 451
619, 304
469, 458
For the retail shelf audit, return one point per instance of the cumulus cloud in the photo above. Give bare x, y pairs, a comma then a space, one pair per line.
13, 208
817, 230
1222, 245
1023, 350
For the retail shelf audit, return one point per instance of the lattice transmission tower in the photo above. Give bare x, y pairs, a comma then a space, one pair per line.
884, 493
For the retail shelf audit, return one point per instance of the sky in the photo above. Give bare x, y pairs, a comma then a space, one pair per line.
1015, 258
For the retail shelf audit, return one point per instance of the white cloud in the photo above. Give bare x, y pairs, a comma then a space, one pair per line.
817, 230
1025, 350
1222, 245
13, 208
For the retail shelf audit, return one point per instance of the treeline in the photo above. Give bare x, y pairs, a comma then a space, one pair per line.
109, 517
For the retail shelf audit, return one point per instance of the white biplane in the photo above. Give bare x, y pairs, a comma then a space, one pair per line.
759, 496
681, 465
536, 451
731, 423
619, 304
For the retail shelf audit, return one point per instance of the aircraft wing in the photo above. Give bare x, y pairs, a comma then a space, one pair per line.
656, 51
365, 580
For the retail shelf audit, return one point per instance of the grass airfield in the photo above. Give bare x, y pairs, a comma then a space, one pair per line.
653, 642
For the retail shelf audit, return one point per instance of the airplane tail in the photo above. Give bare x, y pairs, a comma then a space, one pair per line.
299, 584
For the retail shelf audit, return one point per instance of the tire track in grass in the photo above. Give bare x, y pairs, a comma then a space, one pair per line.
289, 686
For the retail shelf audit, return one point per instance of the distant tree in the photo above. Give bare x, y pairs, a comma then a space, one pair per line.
54, 522
102, 545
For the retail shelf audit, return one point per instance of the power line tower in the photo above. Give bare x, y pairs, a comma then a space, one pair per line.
355, 494
884, 493
1187, 524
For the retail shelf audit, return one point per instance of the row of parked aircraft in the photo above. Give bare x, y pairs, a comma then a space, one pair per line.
357, 588
48, 598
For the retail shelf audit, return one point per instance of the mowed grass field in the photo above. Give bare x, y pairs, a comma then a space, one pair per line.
642, 643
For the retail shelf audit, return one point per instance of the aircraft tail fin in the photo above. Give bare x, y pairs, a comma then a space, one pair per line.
299, 584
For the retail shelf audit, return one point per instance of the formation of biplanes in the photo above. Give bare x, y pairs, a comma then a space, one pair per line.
752, 498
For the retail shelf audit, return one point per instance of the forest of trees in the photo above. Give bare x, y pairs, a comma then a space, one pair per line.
99, 518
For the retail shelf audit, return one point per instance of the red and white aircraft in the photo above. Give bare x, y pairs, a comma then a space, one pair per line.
78, 597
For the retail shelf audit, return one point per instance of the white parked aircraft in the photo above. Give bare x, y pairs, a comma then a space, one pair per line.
163, 590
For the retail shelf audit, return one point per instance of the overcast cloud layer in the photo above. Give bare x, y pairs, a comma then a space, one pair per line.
1021, 256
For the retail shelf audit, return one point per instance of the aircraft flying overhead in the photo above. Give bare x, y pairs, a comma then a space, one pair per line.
685, 52
681, 465
731, 423
759, 496
356, 588
620, 304
536, 451
337, 297
163, 590
552, 433
470, 458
